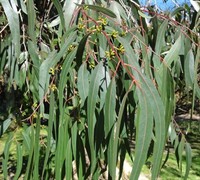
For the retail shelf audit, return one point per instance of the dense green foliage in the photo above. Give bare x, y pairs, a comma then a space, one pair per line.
83, 80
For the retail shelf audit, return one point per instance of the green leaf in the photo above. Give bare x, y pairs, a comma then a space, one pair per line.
4, 126
114, 139
32, 49
29, 169
59, 156
31, 22
26, 140
104, 85
160, 43
63, 80
19, 161
96, 77
188, 151
167, 94
6, 153
173, 53
189, 69
99, 9
10, 9
119, 11
50, 62
144, 125
74, 129
44, 76
50, 128
60, 12
144, 15
109, 108
36, 155
180, 153
80, 49
83, 82
68, 162
150, 108
176, 11
69, 7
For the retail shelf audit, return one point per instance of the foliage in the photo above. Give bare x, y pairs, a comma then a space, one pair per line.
96, 75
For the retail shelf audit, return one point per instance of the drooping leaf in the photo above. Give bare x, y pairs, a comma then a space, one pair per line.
50, 128
31, 22
68, 11
160, 42
189, 69
144, 15
65, 70
188, 151
80, 49
96, 77
19, 161
110, 104
114, 139
83, 82
150, 108
60, 12
99, 9
6, 153
10, 9
173, 53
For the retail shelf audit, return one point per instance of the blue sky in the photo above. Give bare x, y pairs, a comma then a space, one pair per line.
166, 6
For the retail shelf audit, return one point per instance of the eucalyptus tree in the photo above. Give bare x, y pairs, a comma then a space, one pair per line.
101, 76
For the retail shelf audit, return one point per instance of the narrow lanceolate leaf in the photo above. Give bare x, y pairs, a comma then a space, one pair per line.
14, 23
189, 69
60, 12
110, 104
104, 85
114, 140
83, 82
167, 94
144, 15
150, 108
172, 56
173, 53
44, 76
63, 77
176, 11
100, 9
188, 151
68, 161
36, 155
96, 77
144, 125
19, 161
30, 154
180, 153
196, 88
69, 8
50, 128
31, 22
160, 43
6, 153
80, 50
50, 62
